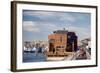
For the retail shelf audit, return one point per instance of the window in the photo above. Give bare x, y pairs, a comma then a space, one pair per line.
51, 40
59, 46
60, 39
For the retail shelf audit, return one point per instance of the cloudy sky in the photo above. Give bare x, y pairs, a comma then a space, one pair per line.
37, 25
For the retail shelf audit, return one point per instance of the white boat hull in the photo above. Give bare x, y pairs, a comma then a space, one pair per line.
55, 58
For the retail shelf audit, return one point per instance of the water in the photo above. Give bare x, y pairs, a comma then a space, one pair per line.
33, 57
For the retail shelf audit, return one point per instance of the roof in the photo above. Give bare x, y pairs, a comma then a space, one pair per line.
61, 31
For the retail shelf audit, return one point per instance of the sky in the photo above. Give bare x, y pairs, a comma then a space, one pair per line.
37, 25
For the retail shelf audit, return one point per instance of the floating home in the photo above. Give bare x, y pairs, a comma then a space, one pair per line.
61, 44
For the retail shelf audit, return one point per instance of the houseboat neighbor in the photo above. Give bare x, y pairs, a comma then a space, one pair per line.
62, 44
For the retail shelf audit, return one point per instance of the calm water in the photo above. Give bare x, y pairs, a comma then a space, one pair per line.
32, 57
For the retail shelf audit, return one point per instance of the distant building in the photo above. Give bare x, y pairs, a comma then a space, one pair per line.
62, 41
40, 43
86, 41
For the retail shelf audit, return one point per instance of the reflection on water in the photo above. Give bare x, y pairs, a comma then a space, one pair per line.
33, 57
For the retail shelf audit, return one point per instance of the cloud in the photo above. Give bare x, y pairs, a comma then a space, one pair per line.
68, 17
42, 27
44, 22
52, 16
81, 32
30, 26
38, 13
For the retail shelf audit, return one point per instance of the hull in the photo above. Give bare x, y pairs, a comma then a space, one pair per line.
55, 58
62, 57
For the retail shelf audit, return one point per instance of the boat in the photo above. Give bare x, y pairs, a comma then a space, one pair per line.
55, 58
27, 50
50, 56
33, 50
